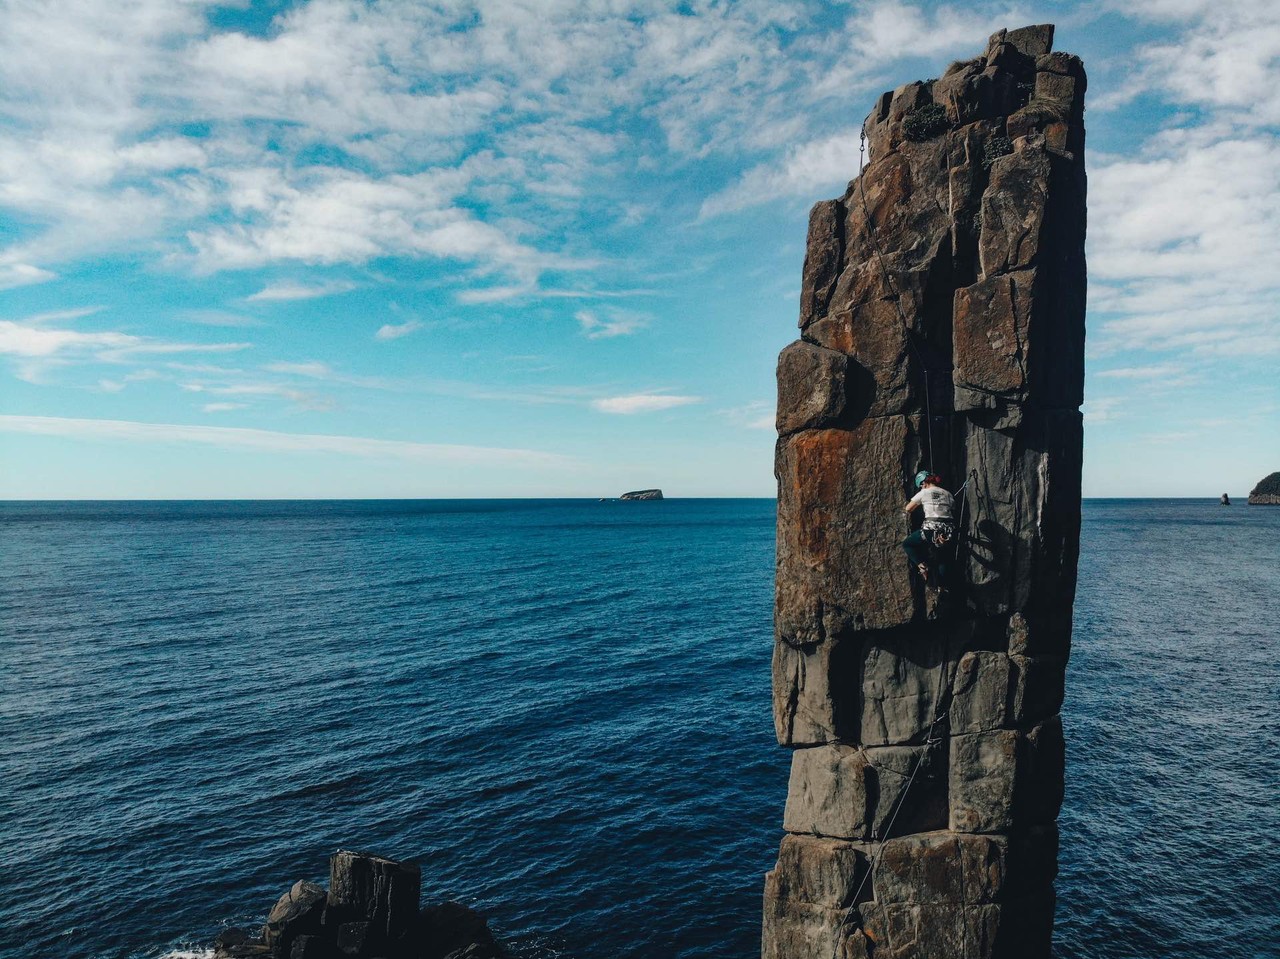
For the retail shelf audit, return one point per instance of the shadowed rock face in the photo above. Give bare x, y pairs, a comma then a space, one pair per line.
941, 328
369, 911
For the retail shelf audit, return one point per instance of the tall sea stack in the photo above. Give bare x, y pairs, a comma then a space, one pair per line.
942, 329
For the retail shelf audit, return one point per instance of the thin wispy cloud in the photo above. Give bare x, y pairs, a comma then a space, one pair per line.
608, 323
1183, 257
284, 291
18, 339
271, 441
642, 403
806, 170
218, 318
517, 172
1153, 372
55, 316
758, 415
22, 274
1103, 409
310, 368
394, 331
443, 110
305, 399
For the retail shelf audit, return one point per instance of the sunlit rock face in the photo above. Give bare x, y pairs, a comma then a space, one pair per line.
941, 328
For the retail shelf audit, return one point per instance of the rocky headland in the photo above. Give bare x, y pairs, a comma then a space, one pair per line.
369, 911
941, 330
642, 494
1267, 492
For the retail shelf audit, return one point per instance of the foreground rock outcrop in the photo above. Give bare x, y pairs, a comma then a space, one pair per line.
1267, 492
369, 911
942, 329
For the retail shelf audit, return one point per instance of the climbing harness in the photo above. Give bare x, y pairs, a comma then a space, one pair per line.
932, 737
939, 534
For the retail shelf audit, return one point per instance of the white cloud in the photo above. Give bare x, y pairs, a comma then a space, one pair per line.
757, 415
853, 61
118, 384
218, 318
876, 34
54, 316
1224, 58
440, 124
642, 403
22, 274
807, 169
39, 347
1182, 244
312, 368
303, 398
221, 407
1105, 409
145, 346
270, 441
393, 331
19, 340
497, 294
1153, 372
615, 323
301, 291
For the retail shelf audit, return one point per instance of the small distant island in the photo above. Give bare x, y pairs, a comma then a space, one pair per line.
1267, 492
641, 494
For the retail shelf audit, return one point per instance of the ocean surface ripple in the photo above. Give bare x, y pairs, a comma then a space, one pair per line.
561, 708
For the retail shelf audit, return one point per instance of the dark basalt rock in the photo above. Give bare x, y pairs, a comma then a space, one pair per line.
381, 893
369, 911
942, 328
299, 912
455, 931
642, 494
1266, 493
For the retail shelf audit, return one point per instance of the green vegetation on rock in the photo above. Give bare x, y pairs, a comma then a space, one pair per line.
924, 122
1267, 486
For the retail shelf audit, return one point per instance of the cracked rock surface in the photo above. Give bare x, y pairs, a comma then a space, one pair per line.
941, 328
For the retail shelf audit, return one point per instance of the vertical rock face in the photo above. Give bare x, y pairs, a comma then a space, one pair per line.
942, 328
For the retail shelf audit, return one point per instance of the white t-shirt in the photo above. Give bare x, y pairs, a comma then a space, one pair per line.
936, 501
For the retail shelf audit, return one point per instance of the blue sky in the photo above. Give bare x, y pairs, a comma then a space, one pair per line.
552, 249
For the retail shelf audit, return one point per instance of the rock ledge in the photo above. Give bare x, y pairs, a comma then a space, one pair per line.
942, 324
369, 911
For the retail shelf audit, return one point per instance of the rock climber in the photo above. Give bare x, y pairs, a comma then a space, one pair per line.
938, 527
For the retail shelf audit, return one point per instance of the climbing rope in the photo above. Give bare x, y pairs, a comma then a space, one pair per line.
932, 737
961, 529
893, 289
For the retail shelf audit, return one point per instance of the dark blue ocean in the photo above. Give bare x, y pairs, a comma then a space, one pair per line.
561, 708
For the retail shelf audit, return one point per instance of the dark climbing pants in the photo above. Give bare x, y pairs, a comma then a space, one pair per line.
918, 547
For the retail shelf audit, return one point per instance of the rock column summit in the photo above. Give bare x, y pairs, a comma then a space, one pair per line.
942, 329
